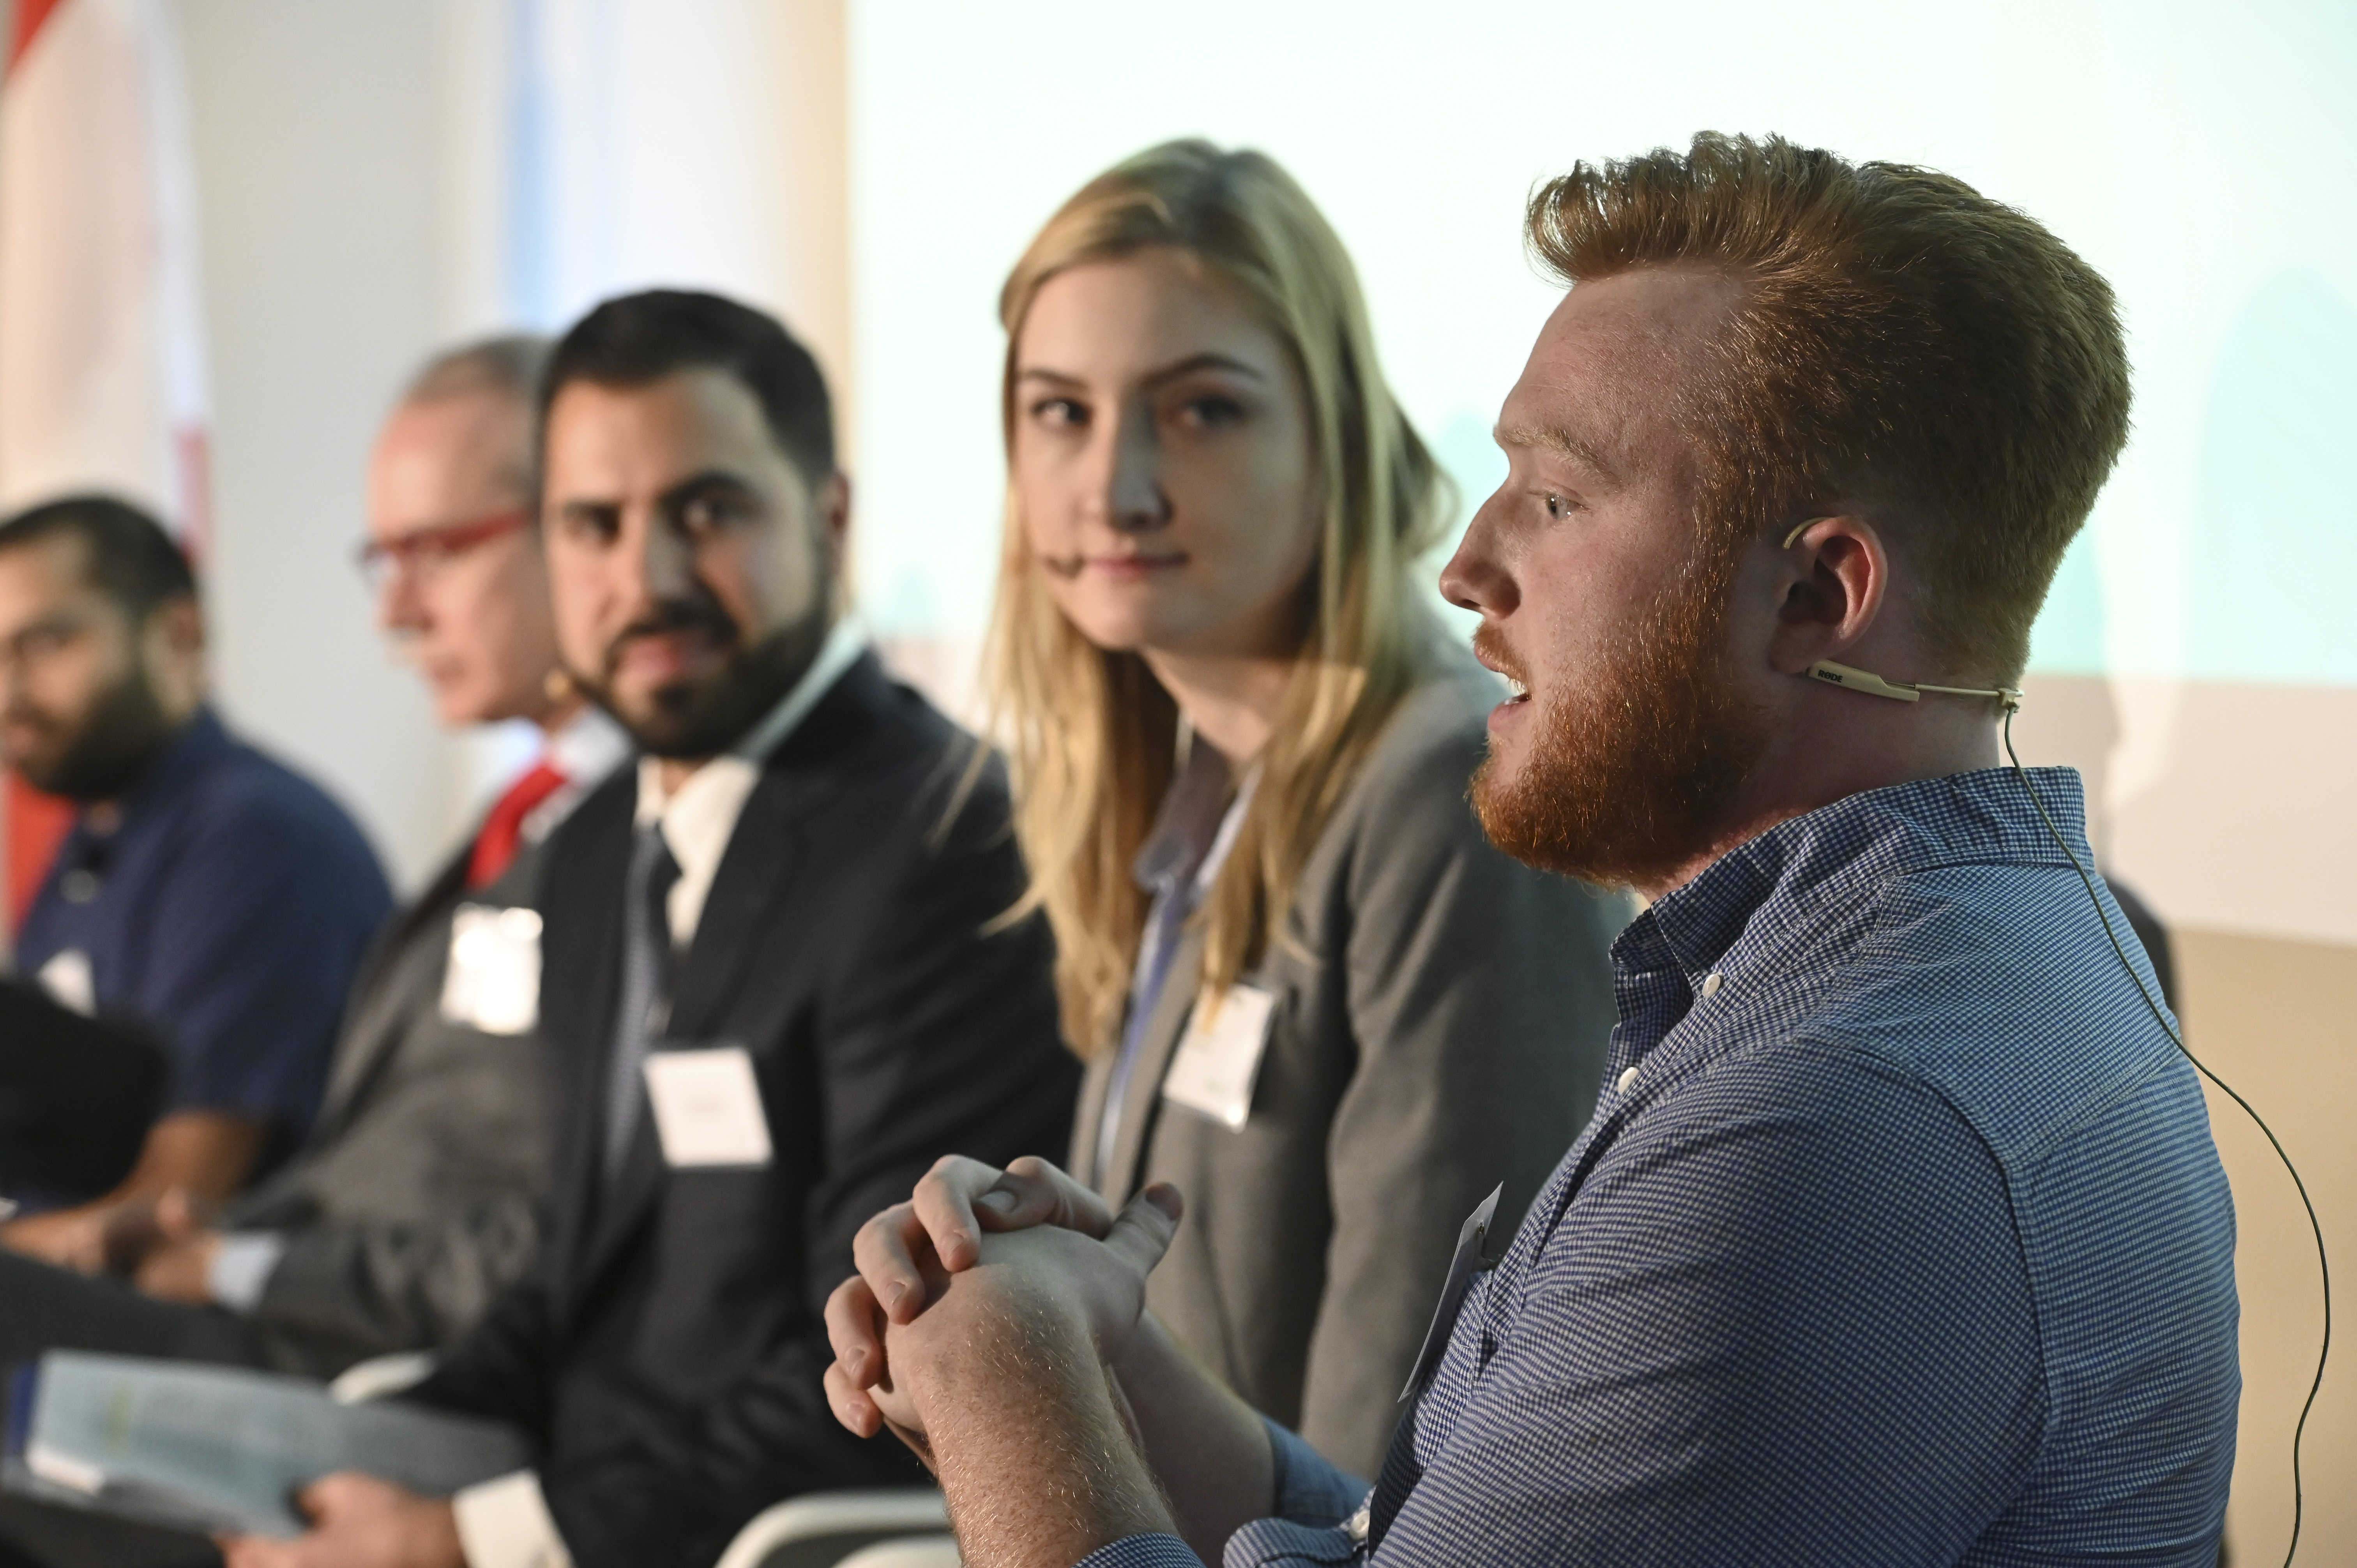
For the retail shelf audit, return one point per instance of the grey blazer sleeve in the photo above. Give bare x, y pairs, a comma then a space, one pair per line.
416, 1202
345, 1291
1479, 1001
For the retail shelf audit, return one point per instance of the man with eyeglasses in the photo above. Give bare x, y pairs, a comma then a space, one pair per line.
415, 1200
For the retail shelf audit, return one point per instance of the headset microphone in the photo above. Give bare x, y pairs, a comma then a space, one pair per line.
1870, 684
1855, 679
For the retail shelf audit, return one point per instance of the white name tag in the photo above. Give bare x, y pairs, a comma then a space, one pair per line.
708, 1107
491, 982
68, 980
1217, 1059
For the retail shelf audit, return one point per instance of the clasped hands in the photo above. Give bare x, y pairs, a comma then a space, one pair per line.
161, 1243
984, 1282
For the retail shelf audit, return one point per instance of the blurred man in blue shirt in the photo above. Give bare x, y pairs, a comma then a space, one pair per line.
206, 891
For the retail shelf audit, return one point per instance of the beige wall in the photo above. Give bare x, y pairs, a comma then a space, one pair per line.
349, 181
2224, 805
316, 159
2272, 1018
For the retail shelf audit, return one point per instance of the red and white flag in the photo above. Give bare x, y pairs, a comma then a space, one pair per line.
102, 341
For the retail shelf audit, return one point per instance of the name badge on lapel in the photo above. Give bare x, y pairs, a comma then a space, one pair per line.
707, 1107
1218, 1059
69, 982
491, 982
1467, 1263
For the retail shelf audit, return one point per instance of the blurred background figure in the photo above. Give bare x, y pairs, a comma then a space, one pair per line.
206, 891
1241, 750
415, 1200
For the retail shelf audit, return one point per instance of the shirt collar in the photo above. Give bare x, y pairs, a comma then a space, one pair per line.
700, 816
1983, 817
1196, 824
589, 747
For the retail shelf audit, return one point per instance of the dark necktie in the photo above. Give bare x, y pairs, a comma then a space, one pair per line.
646, 985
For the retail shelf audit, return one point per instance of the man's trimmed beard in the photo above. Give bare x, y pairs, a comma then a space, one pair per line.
1630, 771
692, 721
122, 734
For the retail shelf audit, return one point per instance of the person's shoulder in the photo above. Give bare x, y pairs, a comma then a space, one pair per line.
913, 729
909, 760
605, 811
1782, 1117
1991, 985
1420, 768
252, 793
869, 723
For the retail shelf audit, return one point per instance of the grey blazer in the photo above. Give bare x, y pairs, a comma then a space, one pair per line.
1440, 1029
414, 1201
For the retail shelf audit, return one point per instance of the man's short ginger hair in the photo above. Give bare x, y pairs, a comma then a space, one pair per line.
1906, 344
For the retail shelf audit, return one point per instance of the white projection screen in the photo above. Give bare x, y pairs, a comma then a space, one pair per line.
2197, 154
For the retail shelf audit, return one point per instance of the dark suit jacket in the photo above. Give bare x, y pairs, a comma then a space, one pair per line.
1440, 1028
666, 1350
414, 1203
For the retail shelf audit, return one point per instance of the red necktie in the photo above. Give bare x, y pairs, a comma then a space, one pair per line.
502, 835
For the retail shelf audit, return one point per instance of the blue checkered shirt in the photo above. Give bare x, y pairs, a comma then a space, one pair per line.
1899, 1237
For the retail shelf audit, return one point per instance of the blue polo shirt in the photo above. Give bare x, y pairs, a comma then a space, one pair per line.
227, 911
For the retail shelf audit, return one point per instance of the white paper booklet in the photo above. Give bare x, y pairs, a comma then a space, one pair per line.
214, 1448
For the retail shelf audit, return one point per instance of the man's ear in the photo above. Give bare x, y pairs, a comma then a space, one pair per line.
834, 499
831, 500
173, 646
182, 622
1836, 575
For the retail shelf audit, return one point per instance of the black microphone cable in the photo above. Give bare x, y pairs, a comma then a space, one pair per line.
2160, 1014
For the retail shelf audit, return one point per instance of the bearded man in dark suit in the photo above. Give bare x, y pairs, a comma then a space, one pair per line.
777, 971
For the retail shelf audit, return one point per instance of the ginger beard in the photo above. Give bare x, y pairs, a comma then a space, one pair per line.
1633, 767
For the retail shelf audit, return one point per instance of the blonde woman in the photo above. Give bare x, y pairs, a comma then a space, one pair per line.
1309, 993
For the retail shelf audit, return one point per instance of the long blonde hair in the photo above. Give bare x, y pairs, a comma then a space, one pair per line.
1092, 735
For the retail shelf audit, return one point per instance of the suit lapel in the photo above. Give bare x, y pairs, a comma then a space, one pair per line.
580, 978
1089, 1115
756, 872
757, 869
387, 997
751, 878
1142, 1099
628, 1203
